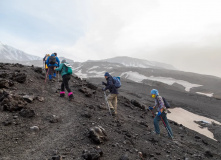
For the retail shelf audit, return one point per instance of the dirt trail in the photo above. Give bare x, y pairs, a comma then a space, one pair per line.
66, 133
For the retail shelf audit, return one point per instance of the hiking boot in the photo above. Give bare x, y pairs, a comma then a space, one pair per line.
70, 96
112, 111
62, 94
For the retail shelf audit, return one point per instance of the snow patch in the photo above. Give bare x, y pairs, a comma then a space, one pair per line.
81, 75
94, 67
206, 94
134, 76
188, 119
97, 74
137, 77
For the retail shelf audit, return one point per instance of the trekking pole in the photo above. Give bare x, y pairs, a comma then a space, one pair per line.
46, 76
43, 68
163, 124
152, 113
166, 127
58, 76
107, 102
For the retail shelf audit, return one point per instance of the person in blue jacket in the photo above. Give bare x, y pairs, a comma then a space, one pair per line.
52, 63
112, 97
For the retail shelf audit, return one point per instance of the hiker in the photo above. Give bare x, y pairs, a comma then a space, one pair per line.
162, 112
112, 97
44, 62
52, 62
66, 72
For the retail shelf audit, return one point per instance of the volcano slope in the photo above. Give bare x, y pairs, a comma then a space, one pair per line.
36, 124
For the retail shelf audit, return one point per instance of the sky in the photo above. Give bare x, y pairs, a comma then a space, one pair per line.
183, 33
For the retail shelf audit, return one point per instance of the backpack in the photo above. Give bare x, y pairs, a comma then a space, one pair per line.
117, 82
52, 60
68, 68
167, 105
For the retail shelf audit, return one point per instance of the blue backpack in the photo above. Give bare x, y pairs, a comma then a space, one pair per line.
117, 82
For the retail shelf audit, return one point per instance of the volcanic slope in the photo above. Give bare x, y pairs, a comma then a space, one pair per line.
36, 124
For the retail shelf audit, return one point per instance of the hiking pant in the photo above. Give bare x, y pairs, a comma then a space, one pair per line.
156, 123
50, 72
112, 98
64, 83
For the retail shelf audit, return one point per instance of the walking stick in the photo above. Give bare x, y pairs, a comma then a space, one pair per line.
58, 76
46, 76
164, 125
107, 102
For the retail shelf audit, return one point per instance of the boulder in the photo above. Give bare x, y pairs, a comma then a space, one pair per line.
124, 157
19, 77
4, 83
92, 153
28, 98
54, 119
97, 134
91, 86
27, 113
3, 74
34, 128
38, 69
137, 104
13, 103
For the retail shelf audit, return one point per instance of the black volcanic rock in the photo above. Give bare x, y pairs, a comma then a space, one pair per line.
4, 83
92, 154
19, 77
97, 134
27, 113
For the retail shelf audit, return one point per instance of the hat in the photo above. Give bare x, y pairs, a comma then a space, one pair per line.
154, 91
107, 74
63, 61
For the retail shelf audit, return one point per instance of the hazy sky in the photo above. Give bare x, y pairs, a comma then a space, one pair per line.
184, 33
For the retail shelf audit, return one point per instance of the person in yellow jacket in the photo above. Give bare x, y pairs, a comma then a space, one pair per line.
44, 61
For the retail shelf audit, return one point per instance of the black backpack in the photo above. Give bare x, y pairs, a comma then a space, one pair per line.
167, 105
52, 60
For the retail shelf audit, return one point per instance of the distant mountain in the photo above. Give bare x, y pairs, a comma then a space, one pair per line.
135, 62
155, 77
8, 53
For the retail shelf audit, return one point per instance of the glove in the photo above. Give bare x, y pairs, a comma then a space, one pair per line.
103, 89
159, 113
103, 83
150, 108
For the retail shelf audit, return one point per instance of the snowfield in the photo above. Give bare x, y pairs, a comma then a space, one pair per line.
137, 77
206, 94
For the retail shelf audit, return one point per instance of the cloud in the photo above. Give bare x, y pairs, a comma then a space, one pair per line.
157, 30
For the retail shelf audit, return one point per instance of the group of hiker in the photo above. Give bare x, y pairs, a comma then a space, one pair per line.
52, 64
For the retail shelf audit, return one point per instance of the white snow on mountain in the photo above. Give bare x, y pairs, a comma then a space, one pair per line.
13, 54
206, 94
135, 62
94, 67
135, 76
97, 74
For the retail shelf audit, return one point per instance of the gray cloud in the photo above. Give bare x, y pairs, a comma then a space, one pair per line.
183, 33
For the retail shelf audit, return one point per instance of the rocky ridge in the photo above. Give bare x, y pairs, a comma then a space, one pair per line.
37, 124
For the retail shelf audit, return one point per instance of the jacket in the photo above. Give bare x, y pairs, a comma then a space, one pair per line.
110, 85
62, 68
159, 103
53, 65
